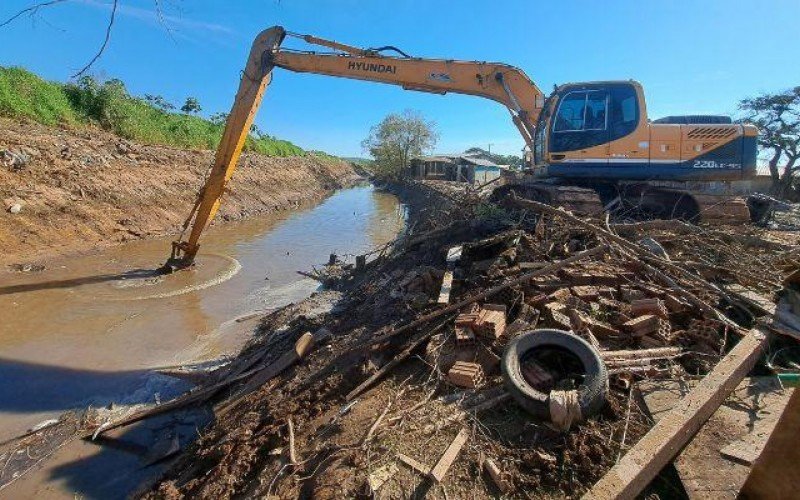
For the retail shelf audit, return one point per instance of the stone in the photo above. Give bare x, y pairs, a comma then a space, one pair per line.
15, 208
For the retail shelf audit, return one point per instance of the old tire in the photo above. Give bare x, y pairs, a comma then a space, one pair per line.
591, 393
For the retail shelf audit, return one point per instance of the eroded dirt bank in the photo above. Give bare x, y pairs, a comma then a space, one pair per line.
77, 190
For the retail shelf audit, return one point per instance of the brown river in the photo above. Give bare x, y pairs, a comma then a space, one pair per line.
89, 330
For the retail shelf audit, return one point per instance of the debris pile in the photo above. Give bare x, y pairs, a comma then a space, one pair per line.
410, 391
420, 379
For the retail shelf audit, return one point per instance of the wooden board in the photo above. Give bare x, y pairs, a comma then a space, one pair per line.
740, 426
642, 463
775, 474
447, 285
440, 469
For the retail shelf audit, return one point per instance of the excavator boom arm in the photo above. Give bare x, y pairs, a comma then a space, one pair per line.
496, 81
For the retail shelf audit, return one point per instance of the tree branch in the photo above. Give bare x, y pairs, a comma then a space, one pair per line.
105, 41
32, 10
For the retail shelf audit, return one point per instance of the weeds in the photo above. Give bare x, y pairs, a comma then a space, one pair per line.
23, 95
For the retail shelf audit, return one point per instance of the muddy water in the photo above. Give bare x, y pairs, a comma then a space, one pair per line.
89, 330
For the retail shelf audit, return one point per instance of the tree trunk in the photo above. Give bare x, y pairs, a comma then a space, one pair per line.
774, 172
788, 177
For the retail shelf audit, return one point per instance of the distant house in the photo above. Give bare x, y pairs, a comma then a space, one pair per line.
470, 168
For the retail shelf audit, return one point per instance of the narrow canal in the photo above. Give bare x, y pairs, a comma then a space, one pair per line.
90, 330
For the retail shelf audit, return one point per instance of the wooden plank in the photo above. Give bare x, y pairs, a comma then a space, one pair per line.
414, 464
747, 416
440, 469
775, 473
416, 342
497, 476
665, 440
447, 285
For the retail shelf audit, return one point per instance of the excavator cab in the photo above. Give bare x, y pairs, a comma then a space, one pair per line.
601, 130
579, 121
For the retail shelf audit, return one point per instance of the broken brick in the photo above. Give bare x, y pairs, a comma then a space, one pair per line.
466, 374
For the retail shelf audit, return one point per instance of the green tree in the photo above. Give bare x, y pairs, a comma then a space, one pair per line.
777, 117
159, 102
218, 118
191, 106
397, 139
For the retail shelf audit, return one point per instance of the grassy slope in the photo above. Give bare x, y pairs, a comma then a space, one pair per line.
108, 105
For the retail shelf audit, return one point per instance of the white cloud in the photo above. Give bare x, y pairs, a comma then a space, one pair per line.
174, 24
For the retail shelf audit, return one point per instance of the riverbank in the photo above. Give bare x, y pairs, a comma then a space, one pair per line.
77, 190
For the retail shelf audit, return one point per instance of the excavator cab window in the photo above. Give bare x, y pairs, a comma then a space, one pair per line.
623, 111
581, 120
592, 114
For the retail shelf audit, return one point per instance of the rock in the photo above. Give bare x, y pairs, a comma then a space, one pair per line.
14, 161
123, 148
15, 208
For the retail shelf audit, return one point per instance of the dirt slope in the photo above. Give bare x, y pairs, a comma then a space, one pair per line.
83, 189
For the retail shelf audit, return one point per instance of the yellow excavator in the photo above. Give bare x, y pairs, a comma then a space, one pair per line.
589, 145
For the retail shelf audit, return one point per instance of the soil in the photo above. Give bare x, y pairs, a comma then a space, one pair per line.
80, 189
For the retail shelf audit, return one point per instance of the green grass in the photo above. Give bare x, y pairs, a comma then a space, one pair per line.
23, 95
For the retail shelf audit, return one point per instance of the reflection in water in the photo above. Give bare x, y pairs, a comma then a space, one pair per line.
61, 322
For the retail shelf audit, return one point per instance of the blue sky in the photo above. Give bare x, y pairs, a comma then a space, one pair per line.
692, 56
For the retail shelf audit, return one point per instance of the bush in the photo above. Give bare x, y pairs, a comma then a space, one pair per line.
110, 106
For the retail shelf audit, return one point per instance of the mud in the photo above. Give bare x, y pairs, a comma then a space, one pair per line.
83, 189
84, 332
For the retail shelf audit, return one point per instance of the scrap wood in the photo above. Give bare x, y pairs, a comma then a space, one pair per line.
447, 286
440, 469
381, 476
405, 353
665, 440
414, 464
200, 395
740, 426
775, 473
302, 347
487, 293
497, 476
292, 450
637, 251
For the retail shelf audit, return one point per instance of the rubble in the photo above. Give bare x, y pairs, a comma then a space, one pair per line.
435, 363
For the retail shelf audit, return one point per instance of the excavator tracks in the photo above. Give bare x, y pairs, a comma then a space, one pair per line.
572, 198
635, 201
